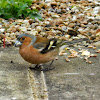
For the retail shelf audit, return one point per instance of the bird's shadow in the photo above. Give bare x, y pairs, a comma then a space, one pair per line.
43, 67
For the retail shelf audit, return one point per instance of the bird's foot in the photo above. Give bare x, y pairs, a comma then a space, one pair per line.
40, 67
37, 67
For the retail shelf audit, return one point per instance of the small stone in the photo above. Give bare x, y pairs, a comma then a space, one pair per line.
8, 43
47, 1
1, 42
38, 28
53, 4
64, 28
34, 24
63, 5
71, 25
84, 22
33, 7
34, 32
38, 7
48, 25
56, 0
96, 10
55, 22
2, 30
98, 32
63, 1
7, 34
26, 21
72, 32
55, 16
29, 29
1, 36
23, 29
31, 21
67, 36
64, 10
74, 18
0, 26
90, 0
59, 11
43, 33
97, 43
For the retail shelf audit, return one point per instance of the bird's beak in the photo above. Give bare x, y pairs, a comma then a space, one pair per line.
17, 43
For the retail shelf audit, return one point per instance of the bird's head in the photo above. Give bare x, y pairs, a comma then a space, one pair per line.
25, 38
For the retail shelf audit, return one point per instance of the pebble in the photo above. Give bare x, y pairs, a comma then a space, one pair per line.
2, 30
23, 29
74, 18
96, 10
0, 26
34, 24
53, 4
34, 32
1, 42
64, 28
55, 16
97, 43
38, 28
59, 11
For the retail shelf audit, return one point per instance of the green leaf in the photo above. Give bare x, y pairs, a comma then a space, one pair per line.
18, 9
35, 10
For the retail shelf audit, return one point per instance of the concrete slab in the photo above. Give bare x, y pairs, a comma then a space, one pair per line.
14, 83
74, 80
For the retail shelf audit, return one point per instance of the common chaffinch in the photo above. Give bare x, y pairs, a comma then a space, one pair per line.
38, 50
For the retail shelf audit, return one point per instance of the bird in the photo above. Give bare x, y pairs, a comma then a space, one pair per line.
39, 50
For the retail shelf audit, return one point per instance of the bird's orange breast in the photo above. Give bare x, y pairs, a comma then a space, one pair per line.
32, 55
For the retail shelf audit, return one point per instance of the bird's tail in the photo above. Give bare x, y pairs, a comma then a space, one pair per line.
72, 42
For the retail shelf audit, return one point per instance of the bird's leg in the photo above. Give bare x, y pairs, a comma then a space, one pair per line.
51, 62
37, 66
48, 67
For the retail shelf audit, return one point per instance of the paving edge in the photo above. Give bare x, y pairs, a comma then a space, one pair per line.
38, 85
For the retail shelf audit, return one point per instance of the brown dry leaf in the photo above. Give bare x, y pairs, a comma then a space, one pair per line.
73, 53
62, 53
90, 62
93, 55
90, 46
98, 51
67, 60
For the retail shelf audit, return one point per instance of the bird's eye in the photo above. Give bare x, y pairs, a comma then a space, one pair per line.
23, 39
